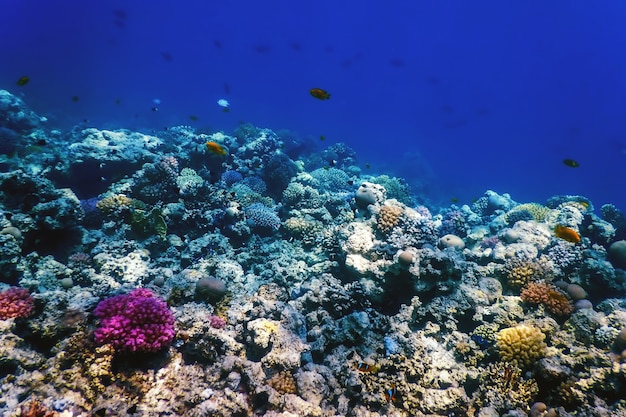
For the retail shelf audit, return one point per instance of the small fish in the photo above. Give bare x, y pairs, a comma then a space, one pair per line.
367, 166
155, 108
23, 80
41, 142
454, 200
390, 394
571, 163
74, 99
322, 138
333, 162
350, 182
224, 104
216, 148
366, 367
118, 101
566, 233
193, 118
319, 93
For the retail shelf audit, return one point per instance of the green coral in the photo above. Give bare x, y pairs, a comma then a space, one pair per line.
396, 188
189, 182
147, 223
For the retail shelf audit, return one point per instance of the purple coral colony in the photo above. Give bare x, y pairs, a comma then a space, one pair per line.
145, 275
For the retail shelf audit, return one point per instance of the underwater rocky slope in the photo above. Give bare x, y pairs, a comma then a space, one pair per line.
186, 273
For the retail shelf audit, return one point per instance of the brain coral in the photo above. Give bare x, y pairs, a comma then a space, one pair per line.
521, 345
555, 300
388, 217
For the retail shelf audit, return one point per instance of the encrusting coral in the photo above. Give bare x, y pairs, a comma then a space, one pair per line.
519, 271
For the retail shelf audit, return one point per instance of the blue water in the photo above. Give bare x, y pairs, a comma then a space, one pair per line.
457, 97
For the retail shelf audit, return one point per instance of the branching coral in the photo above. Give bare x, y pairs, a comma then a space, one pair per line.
283, 382
135, 322
15, 302
521, 271
35, 409
521, 345
504, 388
555, 300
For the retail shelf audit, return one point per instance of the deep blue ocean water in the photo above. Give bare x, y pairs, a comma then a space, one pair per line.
455, 96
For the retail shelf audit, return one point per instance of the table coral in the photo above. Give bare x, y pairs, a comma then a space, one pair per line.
538, 212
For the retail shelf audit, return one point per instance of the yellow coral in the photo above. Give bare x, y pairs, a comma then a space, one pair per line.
539, 212
116, 202
521, 345
521, 271
389, 217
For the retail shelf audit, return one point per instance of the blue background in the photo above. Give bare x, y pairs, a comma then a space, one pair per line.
456, 96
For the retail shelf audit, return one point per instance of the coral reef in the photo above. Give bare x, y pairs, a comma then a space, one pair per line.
144, 275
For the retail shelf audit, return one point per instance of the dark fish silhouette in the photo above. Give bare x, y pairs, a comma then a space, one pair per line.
571, 163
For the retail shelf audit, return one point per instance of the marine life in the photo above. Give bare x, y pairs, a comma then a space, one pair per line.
366, 367
390, 394
322, 138
224, 104
193, 117
74, 99
571, 163
566, 233
307, 290
216, 148
23, 80
319, 93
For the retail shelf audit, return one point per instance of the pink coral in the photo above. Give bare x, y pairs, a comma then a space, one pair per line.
15, 302
135, 322
217, 322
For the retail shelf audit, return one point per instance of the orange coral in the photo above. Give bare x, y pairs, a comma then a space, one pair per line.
35, 409
555, 300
